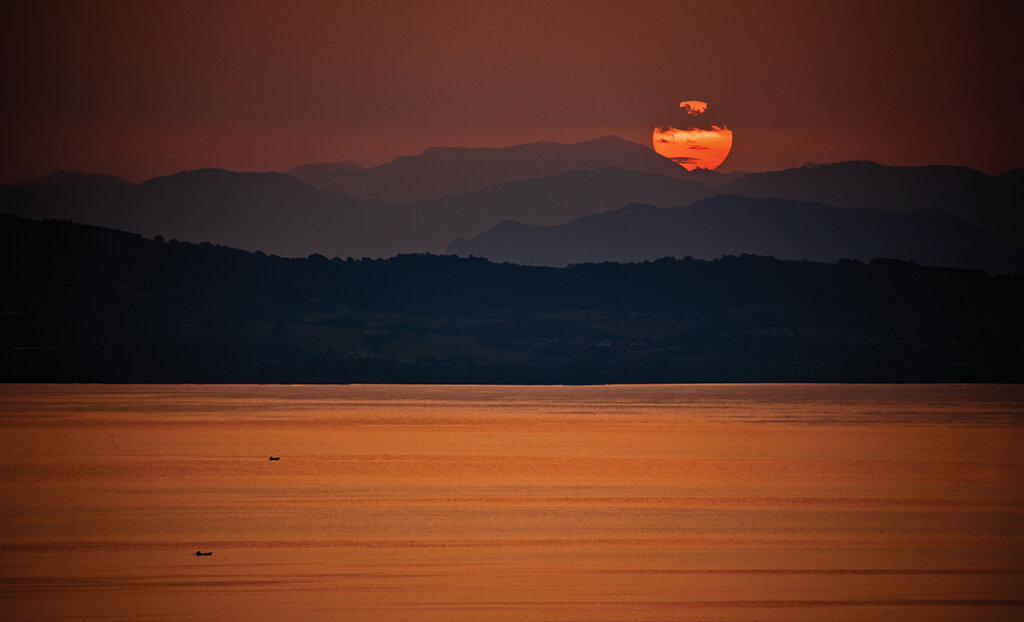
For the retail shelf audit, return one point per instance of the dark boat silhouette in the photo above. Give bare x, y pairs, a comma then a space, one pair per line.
273, 458
201, 554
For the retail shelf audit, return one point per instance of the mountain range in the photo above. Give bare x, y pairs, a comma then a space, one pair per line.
271, 212
991, 202
733, 225
460, 200
441, 171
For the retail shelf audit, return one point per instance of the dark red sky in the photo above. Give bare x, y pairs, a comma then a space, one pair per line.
146, 88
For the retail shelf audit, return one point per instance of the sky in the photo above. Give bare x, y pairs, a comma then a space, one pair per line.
140, 89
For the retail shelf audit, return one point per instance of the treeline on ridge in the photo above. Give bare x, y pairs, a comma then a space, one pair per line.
89, 304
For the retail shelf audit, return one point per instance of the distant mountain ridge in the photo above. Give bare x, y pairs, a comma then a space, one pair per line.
57, 176
994, 203
544, 201
271, 212
733, 225
277, 213
990, 202
442, 171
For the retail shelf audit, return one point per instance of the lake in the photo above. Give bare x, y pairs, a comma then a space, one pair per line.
660, 502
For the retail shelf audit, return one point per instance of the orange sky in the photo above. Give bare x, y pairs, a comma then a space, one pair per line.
146, 88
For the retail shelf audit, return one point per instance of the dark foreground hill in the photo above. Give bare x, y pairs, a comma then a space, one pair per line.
88, 304
732, 225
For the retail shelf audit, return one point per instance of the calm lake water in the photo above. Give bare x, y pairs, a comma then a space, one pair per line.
708, 502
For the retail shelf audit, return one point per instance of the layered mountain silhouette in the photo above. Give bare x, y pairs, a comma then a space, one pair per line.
732, 225
430, 226
270, 212
442, 171
993, 203
277, 214
448, 194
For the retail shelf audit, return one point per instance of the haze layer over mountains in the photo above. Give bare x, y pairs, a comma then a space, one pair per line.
552, 204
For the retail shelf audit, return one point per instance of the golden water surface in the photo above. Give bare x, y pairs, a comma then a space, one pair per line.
707, 502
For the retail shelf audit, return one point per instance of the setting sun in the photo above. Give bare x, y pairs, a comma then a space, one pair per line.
693, 145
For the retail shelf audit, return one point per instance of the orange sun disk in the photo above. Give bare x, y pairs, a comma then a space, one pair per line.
694, 148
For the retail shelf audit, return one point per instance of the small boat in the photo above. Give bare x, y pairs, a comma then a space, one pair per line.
273, 458
202, 554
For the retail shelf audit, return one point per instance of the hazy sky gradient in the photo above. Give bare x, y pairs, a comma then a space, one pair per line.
146, 88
